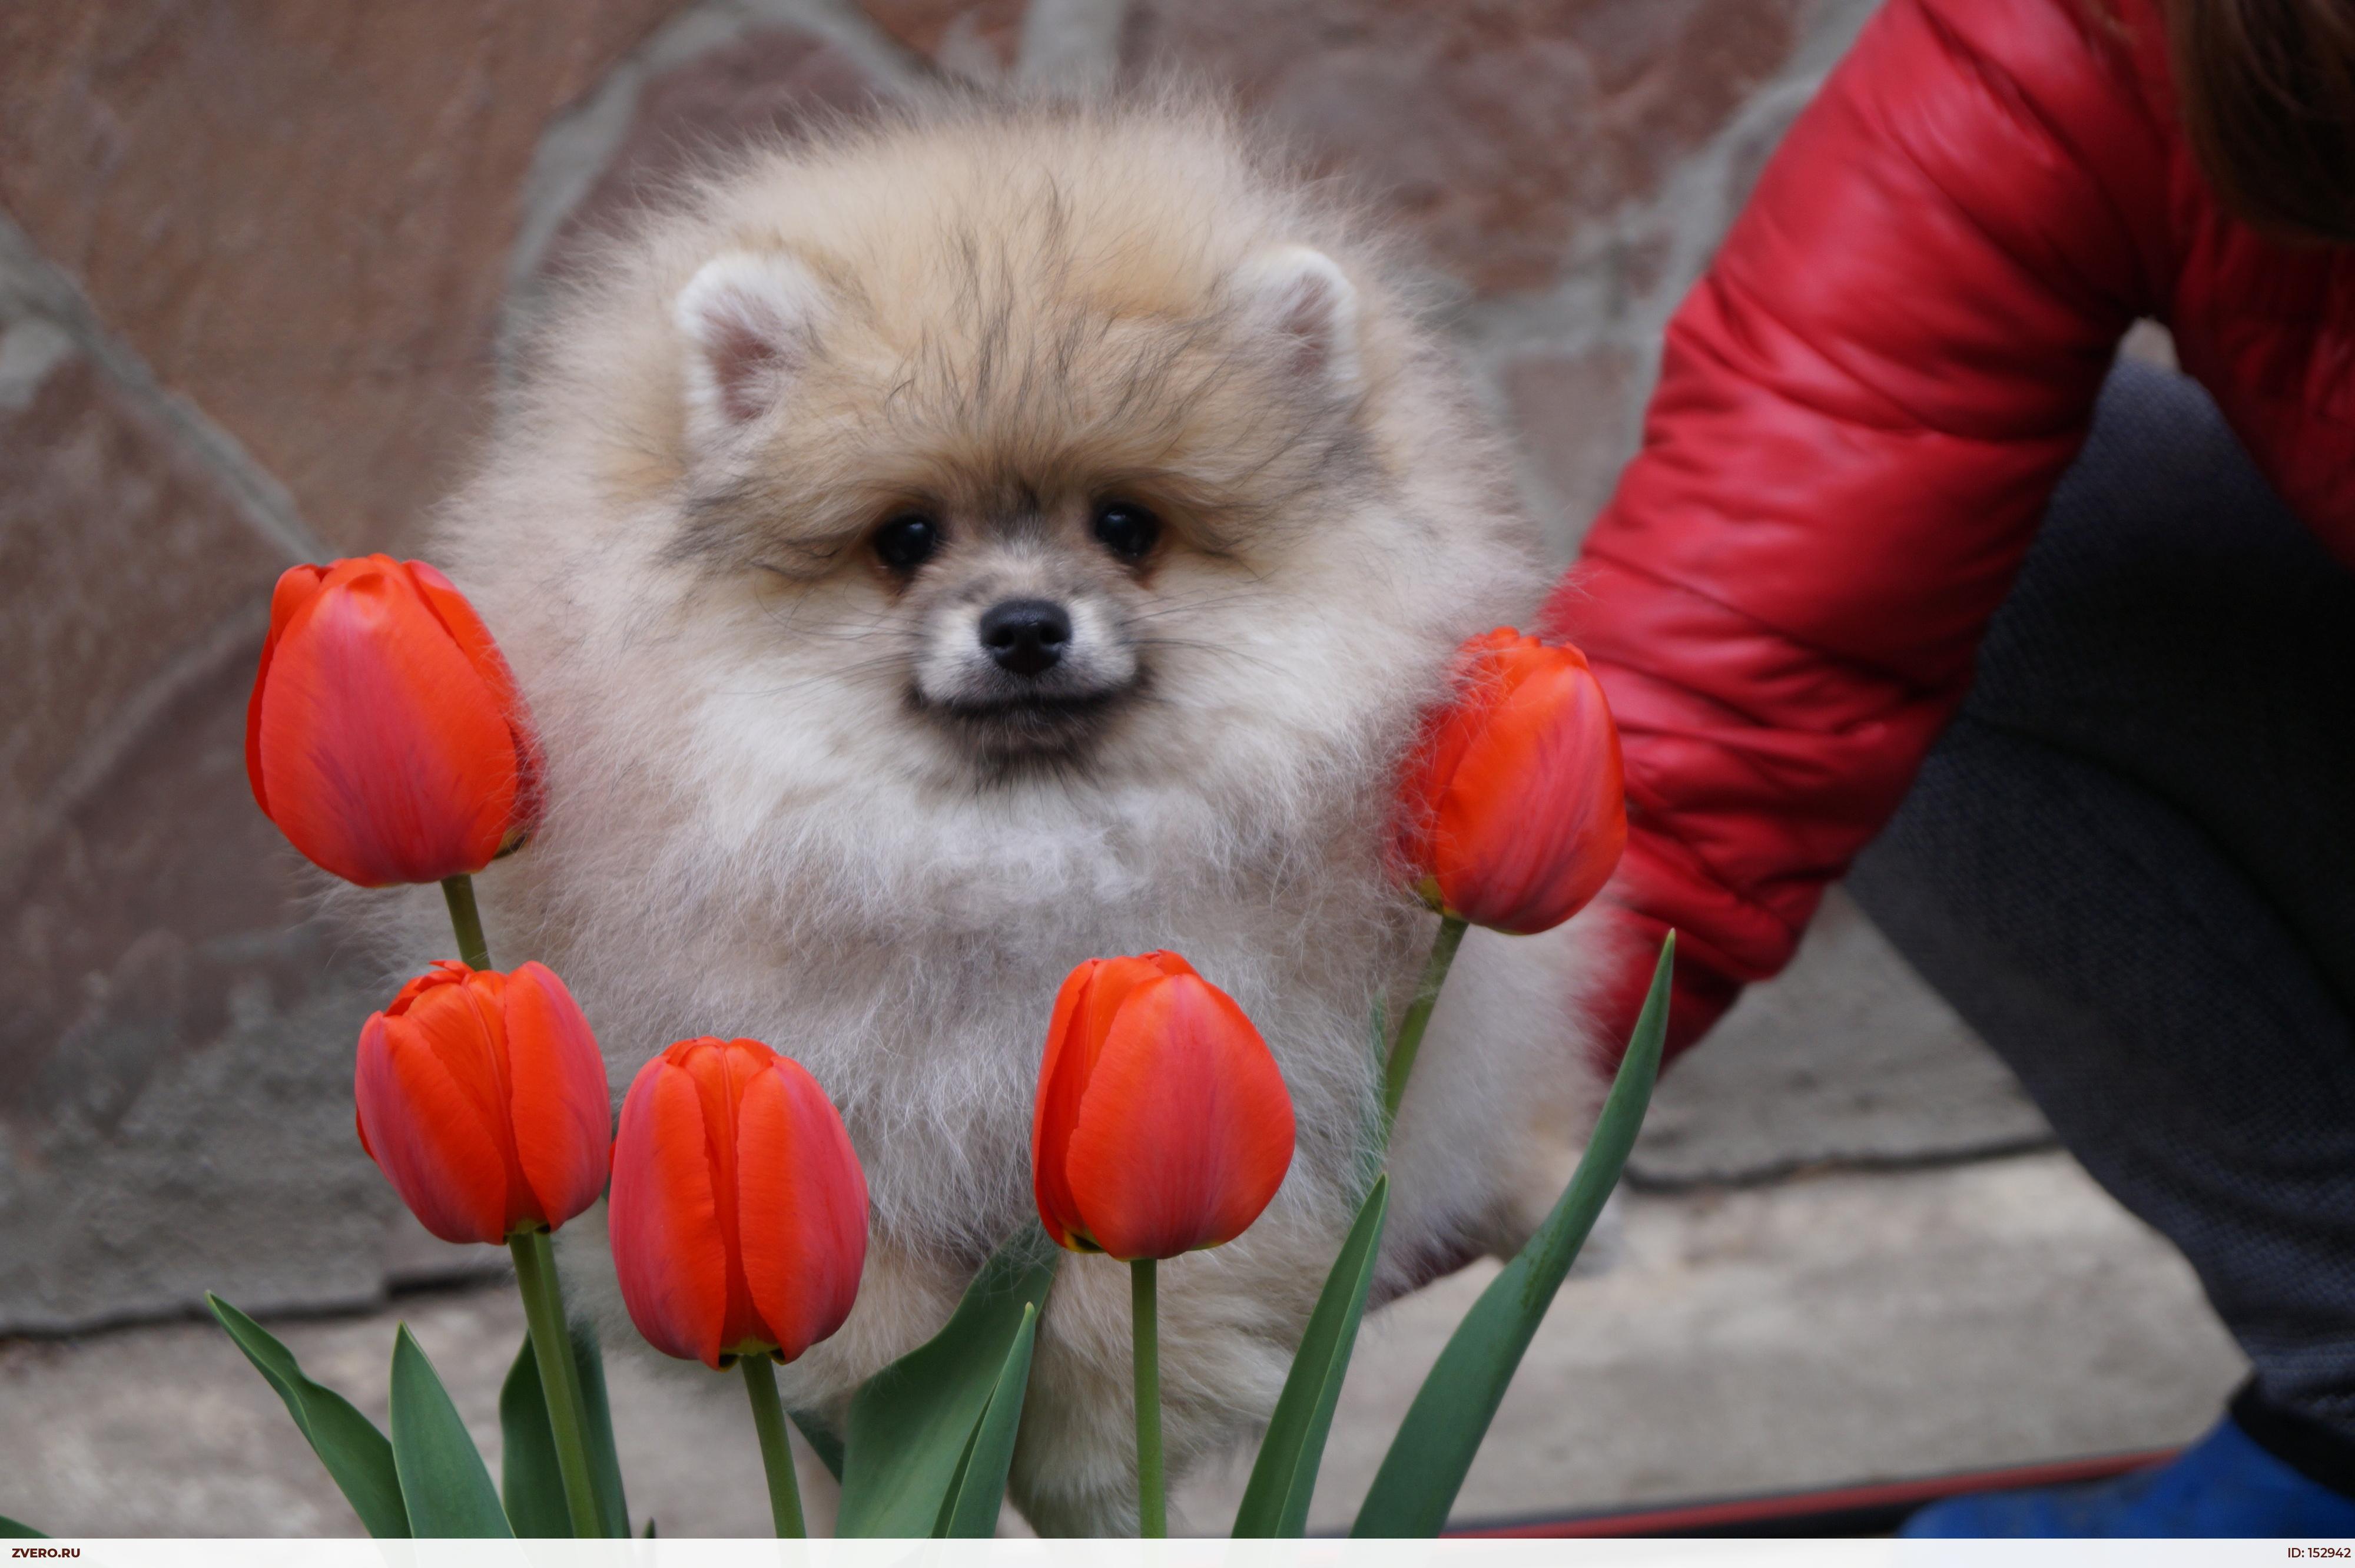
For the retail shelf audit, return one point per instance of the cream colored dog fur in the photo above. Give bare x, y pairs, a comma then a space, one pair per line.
786, 801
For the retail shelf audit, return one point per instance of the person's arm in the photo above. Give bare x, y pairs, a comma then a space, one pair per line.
1861, 412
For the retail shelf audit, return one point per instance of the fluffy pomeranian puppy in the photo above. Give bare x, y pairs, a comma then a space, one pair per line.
948, 549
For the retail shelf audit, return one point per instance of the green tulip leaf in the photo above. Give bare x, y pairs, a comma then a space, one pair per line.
596, 1409
822, 1440
10, 1530
979, 1490
1432, 1452
355, 1454
447, 1485
1284, 1478
913, 1424
531, 1486
531, 1481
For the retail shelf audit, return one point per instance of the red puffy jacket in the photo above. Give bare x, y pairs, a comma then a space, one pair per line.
1861, 412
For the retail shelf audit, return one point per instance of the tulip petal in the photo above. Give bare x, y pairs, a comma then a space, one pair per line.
1090, 999
464, 1025
801, 1207
1187, 1129
442, 972
383, 755
481, 650
427, 1132
562, 1107
1115, 979
669, 1255
1531, 821
720, 1069
466, 629
295, 586
1480, 685
1062, 1080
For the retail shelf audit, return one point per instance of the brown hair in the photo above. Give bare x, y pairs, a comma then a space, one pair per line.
2268, 91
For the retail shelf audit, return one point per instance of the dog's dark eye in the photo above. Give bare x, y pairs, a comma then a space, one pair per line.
1128, 531
907, 541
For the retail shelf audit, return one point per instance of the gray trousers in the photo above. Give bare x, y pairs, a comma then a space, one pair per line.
2130, 864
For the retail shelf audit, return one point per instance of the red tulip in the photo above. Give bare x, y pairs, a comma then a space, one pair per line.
385, 736
739, 1213
482, 1098
1514, 809
1163, 1123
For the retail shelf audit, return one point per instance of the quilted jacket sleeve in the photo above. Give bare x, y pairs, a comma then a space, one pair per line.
1861, 412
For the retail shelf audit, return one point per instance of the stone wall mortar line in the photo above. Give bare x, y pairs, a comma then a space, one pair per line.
1589, 307
1693, 207
580, 140
35, 286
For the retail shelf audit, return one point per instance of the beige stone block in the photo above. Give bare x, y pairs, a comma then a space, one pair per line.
299, 211
121, 556
1494, 130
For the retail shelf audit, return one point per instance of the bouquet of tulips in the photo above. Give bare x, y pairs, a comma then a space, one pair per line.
387, 739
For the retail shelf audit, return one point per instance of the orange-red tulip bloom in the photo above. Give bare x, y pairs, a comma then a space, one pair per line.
385, 736
1163, 1123
482, 1098
739, 1216
1514, 810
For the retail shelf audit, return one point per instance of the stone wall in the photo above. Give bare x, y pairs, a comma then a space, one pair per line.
258, 261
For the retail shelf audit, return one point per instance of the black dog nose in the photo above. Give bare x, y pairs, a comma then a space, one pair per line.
1026, 635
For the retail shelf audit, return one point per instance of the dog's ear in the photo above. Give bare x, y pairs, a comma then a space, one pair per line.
1302, 301
751, 322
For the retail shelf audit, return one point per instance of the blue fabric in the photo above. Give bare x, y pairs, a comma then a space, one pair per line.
2224, 1484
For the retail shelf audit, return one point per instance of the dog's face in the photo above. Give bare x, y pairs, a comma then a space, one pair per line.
1037, 523
1024, 628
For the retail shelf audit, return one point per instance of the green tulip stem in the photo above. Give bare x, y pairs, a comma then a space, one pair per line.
1418, 1015
776, 1448
1152, 1502
551, 1347
458, 892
